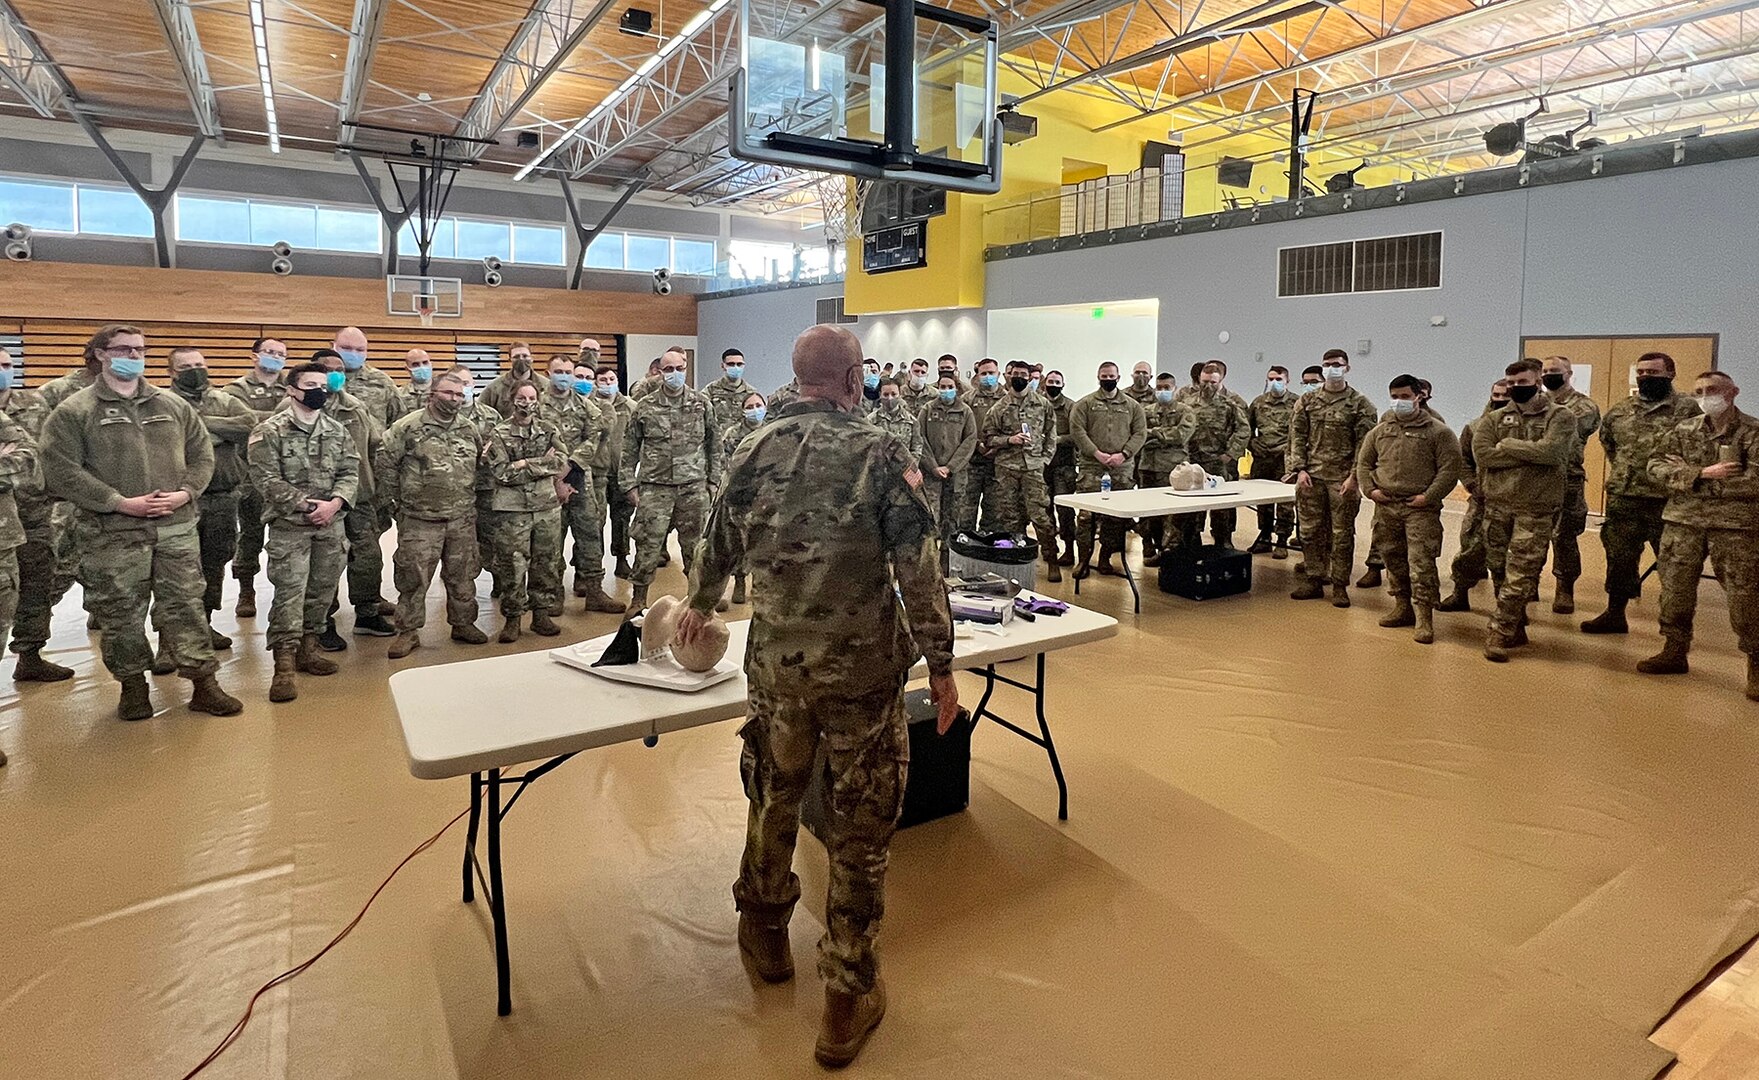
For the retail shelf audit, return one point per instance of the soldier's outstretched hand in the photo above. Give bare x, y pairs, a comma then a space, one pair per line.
943, 690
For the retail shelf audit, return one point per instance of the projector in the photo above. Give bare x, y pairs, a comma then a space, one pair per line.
636, 21
1017, 127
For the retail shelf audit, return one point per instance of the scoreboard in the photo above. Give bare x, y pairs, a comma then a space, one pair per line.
900, 248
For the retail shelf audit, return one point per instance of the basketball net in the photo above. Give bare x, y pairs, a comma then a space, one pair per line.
840, 198
425, 310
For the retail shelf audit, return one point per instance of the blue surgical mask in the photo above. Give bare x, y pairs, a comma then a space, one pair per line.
128, 367
5, 378
1165, 397
1277, 386
562, 382
735, 372
949, 394
353, 359
1032, 386
1404, 407
608, 389
335, 381
583, 387
674, 379
988, 382
871, 380
1332, 373
755, 415
421, 374
271, 364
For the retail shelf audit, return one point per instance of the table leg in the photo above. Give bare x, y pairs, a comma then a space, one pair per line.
1042, 738
476, 809
498, 900
1124, 560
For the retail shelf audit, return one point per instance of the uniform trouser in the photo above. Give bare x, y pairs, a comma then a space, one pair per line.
1059, 477
423, 545
865, 755
1277, 518
126, 572
1222, 523
1409, 540
580, 517
946, 498
1328, 529
8, 593
1572, 520
665, 507
252, 530
1734, 558
1515, 543
1631, 521
621, 510
366, 563
1020, 497
979, 492
39, 589
217, 529
1111, 532
305, 564
1153, 530
527, 548
1470, 566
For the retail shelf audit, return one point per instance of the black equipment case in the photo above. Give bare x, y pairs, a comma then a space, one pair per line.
939, 780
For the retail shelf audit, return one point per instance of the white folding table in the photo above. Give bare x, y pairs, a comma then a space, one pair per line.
1136, 503
456, 721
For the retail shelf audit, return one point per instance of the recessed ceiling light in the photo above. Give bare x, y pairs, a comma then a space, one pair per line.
424, 96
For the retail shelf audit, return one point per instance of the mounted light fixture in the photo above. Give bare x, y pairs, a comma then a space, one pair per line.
282, 264
18, 242
491, 271
1344, 181
260, 34
662, 282
1509, 136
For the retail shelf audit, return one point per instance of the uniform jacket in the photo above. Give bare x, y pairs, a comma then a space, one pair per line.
1522, 453
413, 398
1064, 454
55, 391
427, 467
293, 465
1223, 428
1143, 397
1468, 445
1632, 433
1270, 416
99, 448
376, 393
614, 414
731, 436
530, 487
368, 435
728, 399
917, 400
1107, 423
229, 422
902, 424
18, 472
498, 395
28, 410
981, 401
260, 398
1168, 444
578, 422
1586, 414
1326, 432
1029, 413
949, 436
1710, 504
1404, 458
786, 394
672, 439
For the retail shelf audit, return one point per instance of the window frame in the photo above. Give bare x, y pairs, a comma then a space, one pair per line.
317, 205
1440, 266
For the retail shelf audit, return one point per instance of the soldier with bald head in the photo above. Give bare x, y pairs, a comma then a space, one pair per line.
414, 397
818, 505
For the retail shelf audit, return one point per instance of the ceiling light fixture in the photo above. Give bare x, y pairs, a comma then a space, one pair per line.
259, 31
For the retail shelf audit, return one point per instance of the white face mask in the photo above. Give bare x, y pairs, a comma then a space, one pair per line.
1714, 405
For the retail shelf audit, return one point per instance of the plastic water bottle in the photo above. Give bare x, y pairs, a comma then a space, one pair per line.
1105, 484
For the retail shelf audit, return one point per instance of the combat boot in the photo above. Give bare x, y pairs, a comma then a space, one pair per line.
596, 600
406, 642
468, 634
1084, 559
1519, 637
1457, 600
1496, 647
1753, 677
580, 586
163, 662
373, 625
387, 608
310, 661
1370, 578
1309, 589
1260, 546
1105, 568
1067, 558
1051, 571
247, 599
136, 703
217, 641
1671, 660
1340, 596
1610, 621
31, 667
1563, 602
723, 604
849, 1019
1400, 615
637, 600
509, 630
1423, 618
622, 568
207, 697
543, 626
330, 640
767, 949
281, 687
1280, 549
739, 588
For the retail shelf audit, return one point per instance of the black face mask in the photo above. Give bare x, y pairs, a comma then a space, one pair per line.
445, 408
1054, 391
1521, 395
1140, 378
1496, 404
191, 380
1553, 380
870, 394
1108, 385
1654, 387
315, 398
1018, 384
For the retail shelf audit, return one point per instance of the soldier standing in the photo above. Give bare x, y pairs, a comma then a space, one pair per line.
949, 438
870, 384
672, 452
980, 479
1170, 424
1710, 467
1632, 434
18, 473
580, 424
617, 409
835, 535
306, 466
727, 394
1566, 557
1408, 464
1470, 565
919, 392
1523, 456
650, 382
1021, 433
1059, 475
1269, 416
64, 537
498, 395
786, 394
527, 455
360, 523
35, 555
372, 392
1109, 430
751, 418
1220, 438
892, 416
421, 380
426, 474
1325, 435
262, 391
132, 460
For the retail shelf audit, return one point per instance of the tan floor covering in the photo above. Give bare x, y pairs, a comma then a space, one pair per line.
1298, 846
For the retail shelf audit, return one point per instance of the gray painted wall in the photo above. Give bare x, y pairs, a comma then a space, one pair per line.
763, 325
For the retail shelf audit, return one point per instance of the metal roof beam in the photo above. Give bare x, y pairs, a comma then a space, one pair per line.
363, 42
178, 21
28, 70
544, 42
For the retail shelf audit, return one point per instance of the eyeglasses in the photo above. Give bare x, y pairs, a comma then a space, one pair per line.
117, 352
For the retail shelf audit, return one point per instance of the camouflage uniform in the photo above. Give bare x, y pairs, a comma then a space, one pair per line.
18, 476
293, 466
525, 518
949, 438
731, 437
498, 394
980, 479
1145, 398
671, 451
1111, 424
413, 398
40, 587
1566, 557
1168, 446
786, 394
1632, 433
1404, 459
728, 400
99, 448
1059, 475
484, 418
426, 474
578, 422
903, 424
607, 472
229, 423
1714, 519
1217, 443
1325, 433
1020, 494
1470, 565
818, 505
1523, 452
64, 537
916, 400
1270, 416
366, 562
646, 385
262, 400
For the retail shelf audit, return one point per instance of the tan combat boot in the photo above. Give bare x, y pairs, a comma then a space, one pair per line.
1457, 600
637, 601
1309, 589
406, 642
1496, 647
849, 1019
1400, 615
767, 949
207, 697
164, 662
282, 686
596, 600
1340, 596
510, 630
247, 599
1671, 660
310, 659
1563, 602
136, 703
217, 641
1370, 578
1051, 573
31, 667
468, 634
739, 588
1424, 620
542, 625
1083, 559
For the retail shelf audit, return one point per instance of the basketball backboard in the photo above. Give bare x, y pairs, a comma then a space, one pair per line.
424, 297
818, 93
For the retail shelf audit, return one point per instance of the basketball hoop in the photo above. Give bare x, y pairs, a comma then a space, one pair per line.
841, 199
424, 307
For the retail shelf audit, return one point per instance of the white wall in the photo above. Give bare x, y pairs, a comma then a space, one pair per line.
1071, 340
642, 348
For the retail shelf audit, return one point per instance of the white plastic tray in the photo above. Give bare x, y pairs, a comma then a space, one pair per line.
662, 672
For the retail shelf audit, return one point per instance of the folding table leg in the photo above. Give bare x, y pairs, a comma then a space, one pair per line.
476, 808
498, 900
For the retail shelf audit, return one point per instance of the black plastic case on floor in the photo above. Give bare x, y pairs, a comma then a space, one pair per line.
1206, 573
939, 781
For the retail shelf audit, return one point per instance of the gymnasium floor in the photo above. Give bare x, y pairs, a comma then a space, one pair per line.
1298, 846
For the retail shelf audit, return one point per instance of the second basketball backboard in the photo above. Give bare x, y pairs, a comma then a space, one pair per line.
821, 92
